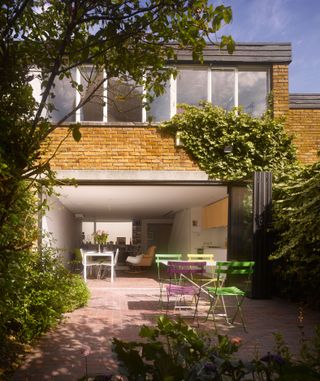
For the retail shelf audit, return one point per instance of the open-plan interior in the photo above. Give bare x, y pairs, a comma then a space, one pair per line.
189, 218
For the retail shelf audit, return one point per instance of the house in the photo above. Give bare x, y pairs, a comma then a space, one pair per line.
128, 172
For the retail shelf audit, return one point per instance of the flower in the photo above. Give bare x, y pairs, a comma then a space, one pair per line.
100, 237
273, 358
236, 340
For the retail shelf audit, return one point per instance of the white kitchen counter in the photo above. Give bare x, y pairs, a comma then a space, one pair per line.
220, 254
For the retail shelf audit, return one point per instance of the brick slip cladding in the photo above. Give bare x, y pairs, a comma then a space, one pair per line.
118, 148
304, 124
280, 89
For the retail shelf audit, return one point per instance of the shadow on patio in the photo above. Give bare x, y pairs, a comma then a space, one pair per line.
119, 310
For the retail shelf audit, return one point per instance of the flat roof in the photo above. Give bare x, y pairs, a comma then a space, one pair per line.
304, 101
247, 53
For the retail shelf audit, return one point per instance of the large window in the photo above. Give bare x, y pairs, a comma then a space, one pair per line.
90, 80
252, 91
115, 229
224, 87
122, 100
192, 86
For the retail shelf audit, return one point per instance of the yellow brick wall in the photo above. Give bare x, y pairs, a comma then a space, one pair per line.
280, 89
144, 148
304, 124
119, 148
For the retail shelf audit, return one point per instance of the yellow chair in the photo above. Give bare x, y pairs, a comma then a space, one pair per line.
201, 258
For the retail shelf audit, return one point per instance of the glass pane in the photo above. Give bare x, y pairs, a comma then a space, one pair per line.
160, 107
192, 85
253, 91
240, 224
117, 230
222, 85
64, 100
124, 101
92, 110
87, 231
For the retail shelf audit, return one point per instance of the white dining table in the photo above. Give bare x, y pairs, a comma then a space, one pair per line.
105, 254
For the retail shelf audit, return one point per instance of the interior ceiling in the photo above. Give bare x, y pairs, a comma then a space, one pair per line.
119, 202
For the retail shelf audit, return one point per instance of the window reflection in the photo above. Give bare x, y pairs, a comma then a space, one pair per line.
253, 91
124, 101
192, 86
64, 99
223, 88
92, 110
160, 107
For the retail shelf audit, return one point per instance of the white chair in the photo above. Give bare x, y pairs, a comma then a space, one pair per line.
89, 262
109, 264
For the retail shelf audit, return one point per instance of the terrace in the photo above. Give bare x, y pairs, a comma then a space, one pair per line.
119, 310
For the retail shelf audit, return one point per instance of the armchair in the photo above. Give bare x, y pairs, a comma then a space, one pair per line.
143, 260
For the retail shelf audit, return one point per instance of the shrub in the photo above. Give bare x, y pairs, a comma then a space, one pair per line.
173, 351
296, 221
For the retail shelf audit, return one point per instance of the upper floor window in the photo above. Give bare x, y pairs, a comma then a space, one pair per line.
224, 87
118, 100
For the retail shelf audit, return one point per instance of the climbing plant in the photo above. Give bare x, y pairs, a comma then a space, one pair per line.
258, 144
296, 220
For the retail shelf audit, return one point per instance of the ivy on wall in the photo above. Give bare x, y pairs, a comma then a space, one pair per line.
296, 221
261, 144
258, 144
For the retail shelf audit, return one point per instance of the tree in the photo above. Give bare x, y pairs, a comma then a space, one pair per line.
130, 38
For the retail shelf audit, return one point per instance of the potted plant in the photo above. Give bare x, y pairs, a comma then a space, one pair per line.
101, 238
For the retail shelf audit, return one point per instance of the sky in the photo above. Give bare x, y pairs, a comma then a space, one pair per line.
295, 21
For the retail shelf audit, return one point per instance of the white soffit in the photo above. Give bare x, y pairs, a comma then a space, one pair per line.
136, 201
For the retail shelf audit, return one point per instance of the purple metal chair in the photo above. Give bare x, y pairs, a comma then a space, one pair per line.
183, 284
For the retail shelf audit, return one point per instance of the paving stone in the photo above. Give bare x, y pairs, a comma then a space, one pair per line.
119, 309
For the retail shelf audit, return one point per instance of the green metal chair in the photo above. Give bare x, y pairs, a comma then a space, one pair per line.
233, 279
159, 258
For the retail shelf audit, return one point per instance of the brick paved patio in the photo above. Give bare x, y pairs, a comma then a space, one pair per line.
120, 309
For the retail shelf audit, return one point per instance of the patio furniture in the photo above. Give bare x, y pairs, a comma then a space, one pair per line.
209, 258
185, 272
87, 261
109, 265
143, 260
233, 280
159, 262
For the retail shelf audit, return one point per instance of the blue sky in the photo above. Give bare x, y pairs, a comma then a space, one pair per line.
295, 21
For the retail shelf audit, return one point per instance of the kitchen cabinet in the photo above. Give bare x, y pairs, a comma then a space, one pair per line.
215, 215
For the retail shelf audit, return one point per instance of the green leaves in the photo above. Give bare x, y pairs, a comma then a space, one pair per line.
257, 144
173, 351
76, 134
297, 210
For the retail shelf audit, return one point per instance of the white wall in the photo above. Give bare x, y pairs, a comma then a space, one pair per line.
180, 234
64, 228
187, 234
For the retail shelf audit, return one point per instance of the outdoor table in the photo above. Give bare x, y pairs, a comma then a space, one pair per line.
100, 255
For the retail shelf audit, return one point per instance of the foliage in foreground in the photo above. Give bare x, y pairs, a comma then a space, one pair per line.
173, 351
258, 144
35, 288
296, 220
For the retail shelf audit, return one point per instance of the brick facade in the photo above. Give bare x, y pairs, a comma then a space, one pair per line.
280, 89
145, 148
119, 148
304, 124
